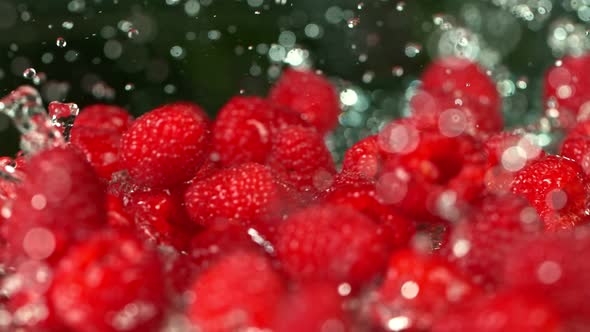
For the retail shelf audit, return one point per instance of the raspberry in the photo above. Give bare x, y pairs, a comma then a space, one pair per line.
24, 291
363, 198
312, 307
418, 290
511, 311
101, 148
498, 150
112, 282
219, 240
480, 243
300, 157
310, 95
557, 188
459, 77
104, 117
577, 148
244, 129
165, 146
567, 89
160, 216
59, 181
239, 194
550, 265
331, 243
455, 115
363, 158
240, 291
426, 174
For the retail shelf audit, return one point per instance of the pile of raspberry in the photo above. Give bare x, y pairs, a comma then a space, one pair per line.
443, 221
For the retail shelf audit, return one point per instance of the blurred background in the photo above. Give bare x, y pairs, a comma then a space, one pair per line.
143, 53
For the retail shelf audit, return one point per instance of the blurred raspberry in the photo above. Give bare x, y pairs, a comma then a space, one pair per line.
331, 243
418, 290
240, 291
112, 282
310, 95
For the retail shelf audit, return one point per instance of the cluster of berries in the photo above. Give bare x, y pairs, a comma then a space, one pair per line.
443, 221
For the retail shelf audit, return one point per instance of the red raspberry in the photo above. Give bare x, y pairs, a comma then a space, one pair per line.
112, 282
101, 148
551, 265
363, 198
312, 307
418, 290
508, 153
426, 174
59, 181
239, 291
30, 313
117, 216
480, 243
557, 188
331, 243
577, 148
161, 218
239, 194
300, 157
244, 129
363, 159
459, 77
455, 115
210, 245
104, 117
165, 146
310, 95
24, 290
508, 311
567, 89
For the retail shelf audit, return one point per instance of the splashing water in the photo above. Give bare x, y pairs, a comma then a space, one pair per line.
25, 107
63, 116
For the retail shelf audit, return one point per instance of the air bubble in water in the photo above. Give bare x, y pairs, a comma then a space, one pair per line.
360, 5
68, 25
397, 71
63, 116
129, 87
29, 73
61, 42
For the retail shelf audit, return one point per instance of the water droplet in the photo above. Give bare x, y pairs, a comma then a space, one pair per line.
63, 116
177, 52
29, 73
132, 33
61, 42
353, 22
397, 71
412, 50
400, 6
25, 107
39, 79
68, 25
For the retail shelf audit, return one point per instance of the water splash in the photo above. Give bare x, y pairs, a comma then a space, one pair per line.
25, 107
63, 116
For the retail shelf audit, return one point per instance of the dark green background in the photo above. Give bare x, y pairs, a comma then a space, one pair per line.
211, 72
